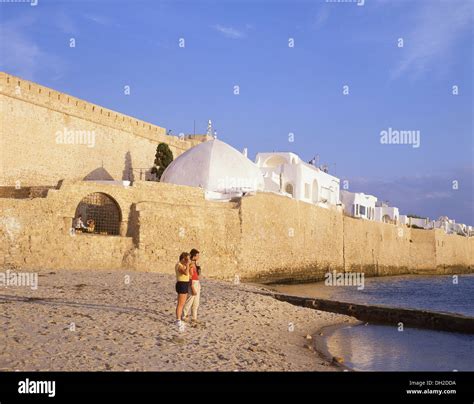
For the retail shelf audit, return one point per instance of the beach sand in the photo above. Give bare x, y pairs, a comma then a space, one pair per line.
96, 320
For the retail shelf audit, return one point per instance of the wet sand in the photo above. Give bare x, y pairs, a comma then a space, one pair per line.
314, 289
96, 320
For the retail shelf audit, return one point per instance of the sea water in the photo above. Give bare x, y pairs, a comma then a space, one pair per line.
391, 348
385, 348
434, 293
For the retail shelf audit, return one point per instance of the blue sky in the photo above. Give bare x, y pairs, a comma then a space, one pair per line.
282, 89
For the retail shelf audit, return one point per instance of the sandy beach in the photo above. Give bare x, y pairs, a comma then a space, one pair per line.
96, 320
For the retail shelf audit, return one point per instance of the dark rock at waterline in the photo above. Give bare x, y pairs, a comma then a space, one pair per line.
394, 316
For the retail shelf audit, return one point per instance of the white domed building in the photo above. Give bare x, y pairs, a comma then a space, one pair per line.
222, 171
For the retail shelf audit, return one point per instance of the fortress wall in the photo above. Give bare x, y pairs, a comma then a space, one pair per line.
32, 238
167, 230
31, 117
376, 248
261, 238
284, 239
471, 252
453, 252
422, 251
35, 233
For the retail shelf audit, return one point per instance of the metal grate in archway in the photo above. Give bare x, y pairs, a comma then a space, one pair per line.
100, 214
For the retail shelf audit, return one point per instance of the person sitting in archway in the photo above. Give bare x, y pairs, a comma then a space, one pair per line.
90, 225
79, 224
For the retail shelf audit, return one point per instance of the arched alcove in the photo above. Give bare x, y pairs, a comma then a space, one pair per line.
289, 188
274, 161
100, 214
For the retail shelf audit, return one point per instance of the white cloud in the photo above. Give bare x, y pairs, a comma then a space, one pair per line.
97, 19
229, 32
438, 26
22, 56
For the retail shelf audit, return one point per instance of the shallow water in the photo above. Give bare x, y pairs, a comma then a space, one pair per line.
384, 348
436, 293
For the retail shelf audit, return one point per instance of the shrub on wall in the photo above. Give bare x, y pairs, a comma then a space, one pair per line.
163, 158
415, 216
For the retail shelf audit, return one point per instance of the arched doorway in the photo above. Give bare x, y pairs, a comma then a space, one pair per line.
289, 188
100, 214
386, 219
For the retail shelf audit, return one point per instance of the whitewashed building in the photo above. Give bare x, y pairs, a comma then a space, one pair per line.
450, 226
403, 219
422, 222
386, 214
287, 174
444, 223
358, 204
222, 171
470, 231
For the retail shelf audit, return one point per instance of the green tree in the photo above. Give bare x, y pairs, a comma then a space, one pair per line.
163, 158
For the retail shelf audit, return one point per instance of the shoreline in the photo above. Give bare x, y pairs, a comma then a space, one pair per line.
321, 346
319, 296
320, 336
245, 326
120, 326
382, 343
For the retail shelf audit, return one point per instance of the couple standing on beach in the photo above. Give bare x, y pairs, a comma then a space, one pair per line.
188, 287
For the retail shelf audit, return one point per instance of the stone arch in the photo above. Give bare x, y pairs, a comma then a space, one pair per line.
386, 219
274, 161
103, 210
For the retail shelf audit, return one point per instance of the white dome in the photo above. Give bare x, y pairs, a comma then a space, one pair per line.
214, 166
